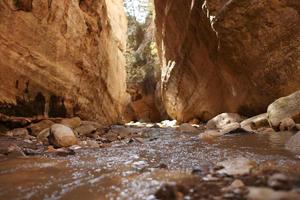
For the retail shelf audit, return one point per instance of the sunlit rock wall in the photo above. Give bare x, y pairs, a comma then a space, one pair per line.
227, 56
63, 58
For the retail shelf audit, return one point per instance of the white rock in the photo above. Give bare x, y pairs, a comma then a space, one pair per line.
62, 136
287, 124
224, 119
285, 107
237, 166
256, 122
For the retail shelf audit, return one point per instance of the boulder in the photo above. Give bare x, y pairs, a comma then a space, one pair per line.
36, 128
293, 144
62, 136
284, 107
256, 122
223, 119
71, 122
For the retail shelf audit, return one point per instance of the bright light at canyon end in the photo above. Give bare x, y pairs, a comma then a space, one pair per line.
138, 9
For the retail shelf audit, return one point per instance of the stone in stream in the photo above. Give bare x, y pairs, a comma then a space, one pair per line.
287, 124
279, 181
71, 122
237, 166
36, 128
226, 129
254, 123
43, 136
62, 136
285, 107
293, 144
187, 128
231, 128
86, 129
224, 119
18, 132
14, 150
210, 135
263, 193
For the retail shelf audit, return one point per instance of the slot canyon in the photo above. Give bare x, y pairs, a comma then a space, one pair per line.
150, 99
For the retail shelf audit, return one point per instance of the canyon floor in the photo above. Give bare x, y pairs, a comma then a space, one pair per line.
151, 161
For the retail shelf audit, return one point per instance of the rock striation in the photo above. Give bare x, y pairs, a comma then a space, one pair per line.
227, 55
63, 58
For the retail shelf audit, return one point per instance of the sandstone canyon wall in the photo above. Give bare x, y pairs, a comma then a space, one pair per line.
227, 55
63, 58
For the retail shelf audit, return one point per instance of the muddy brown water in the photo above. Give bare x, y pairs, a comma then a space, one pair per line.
131, 170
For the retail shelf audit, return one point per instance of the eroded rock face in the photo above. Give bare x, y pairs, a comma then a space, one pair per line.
227, 56
63, 58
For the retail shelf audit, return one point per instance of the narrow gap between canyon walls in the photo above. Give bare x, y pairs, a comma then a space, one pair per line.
149, 99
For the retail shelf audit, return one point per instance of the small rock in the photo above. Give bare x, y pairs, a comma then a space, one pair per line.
140, 140
237, 184
35, 129
50, 149
287, 124
237, 166
256, 122
15, 151
210, 177
71, 122
28, 141
86, 129
43, 136
18, 132
83, 143
257, 193
210, 134
187, 128
64, 152
224, 119
168, 123
75, 147
93, 144
293, 144
62, 136
279, 181
194, 121
231, 128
